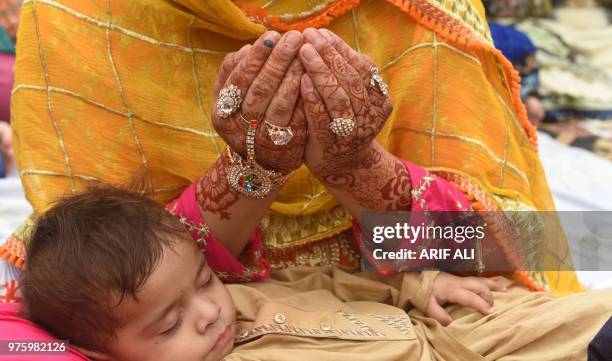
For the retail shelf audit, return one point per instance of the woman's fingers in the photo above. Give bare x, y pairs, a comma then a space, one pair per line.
334, 97
363, 64
242, 76
227, 66
435, 311
268, 77
281, 106
249, 67
264, 87
281, 113
346, 75
299, 122
316, 113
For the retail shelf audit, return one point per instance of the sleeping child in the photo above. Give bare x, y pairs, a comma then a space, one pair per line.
122, 279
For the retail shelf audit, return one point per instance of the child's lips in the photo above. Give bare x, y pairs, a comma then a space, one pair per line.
224, 337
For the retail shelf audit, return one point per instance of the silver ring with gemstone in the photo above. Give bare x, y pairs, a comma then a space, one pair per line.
279, 135
229, 101
376, 80
342, 127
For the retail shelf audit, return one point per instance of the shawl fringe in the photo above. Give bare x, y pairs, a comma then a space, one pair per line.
319, 20
454, 31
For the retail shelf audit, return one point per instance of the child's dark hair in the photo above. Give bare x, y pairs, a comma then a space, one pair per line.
86, 254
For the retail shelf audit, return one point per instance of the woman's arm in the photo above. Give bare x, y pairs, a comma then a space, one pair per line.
246, 264
362, 175
377, 182
267, 76
354, 168
365, 177
231, 216
391, 184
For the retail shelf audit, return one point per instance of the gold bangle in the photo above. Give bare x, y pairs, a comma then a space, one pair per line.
251, 179
246, 176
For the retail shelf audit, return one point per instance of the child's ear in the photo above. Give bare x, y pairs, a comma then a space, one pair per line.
94, 355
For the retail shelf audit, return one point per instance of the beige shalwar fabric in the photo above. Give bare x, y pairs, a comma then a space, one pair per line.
326, 314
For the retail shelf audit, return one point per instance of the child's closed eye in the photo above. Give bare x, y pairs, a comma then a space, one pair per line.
208, 282
174, 327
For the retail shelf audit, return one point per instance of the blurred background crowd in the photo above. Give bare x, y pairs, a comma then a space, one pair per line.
9, 20
563, 51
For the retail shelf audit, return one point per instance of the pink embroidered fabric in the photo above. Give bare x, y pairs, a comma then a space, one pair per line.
249, 266
429, 194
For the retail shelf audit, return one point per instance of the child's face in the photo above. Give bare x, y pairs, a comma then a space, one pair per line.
183, 313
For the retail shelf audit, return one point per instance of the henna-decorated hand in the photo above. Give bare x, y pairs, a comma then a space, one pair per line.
360, 173
335, 86
268, 74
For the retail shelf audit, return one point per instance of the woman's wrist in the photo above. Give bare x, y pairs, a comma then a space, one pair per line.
231, 216
376, 180
214, 195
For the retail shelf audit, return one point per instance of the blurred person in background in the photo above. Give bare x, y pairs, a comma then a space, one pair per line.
9, 20
520, 50
6, 149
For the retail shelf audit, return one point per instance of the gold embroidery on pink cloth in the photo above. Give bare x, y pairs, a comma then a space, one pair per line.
255, 270
201, 228
424, 185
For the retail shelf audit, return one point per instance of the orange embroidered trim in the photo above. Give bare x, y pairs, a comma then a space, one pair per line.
480, 201
318, 20
453, 30
13, 251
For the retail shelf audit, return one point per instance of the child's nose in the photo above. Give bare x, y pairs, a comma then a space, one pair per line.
207, 313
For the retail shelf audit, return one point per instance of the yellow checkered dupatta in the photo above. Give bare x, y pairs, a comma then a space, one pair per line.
107, 90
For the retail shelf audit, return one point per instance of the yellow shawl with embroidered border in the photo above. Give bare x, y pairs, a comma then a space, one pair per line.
108, 89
